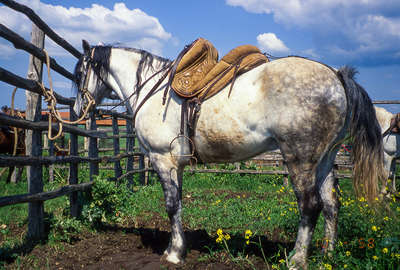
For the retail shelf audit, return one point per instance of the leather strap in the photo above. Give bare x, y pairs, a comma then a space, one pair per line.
174, 67
152, 90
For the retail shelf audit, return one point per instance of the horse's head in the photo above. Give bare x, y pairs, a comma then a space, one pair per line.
91, 75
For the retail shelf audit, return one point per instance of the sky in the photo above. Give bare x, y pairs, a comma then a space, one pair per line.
362, 33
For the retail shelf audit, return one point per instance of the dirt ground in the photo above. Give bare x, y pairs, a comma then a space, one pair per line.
133, 247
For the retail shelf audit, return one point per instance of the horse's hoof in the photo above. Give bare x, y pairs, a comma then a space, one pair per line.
172, 257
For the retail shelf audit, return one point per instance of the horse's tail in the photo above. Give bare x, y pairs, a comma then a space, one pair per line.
365, 132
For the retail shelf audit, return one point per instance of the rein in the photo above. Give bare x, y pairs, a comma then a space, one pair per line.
51, 100
166, 68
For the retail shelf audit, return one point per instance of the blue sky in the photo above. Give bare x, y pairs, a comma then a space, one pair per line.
361, 33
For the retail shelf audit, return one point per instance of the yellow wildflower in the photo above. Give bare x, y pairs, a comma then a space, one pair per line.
281, 261
375, 257
374, 228
385, 250
328, 266
219, 232
248, 234
345, 266
227, 236
247, 242
362, 199
348, 253
386, 218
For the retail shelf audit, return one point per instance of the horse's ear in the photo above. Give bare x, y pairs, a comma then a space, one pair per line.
85, 46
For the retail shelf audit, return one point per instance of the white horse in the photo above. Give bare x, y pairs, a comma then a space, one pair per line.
302, 107
391, 146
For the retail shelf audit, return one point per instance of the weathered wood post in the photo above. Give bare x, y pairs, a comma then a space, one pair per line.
130, 143
33, 141
75, 208
117, 163
93, 148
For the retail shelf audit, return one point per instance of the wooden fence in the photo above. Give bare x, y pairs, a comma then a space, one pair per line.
34, 158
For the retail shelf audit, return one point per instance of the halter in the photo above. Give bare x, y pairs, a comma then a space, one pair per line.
394, 126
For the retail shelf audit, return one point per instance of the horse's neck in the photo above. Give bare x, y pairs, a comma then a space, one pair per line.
131, 69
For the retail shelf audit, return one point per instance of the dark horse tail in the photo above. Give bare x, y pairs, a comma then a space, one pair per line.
365, 132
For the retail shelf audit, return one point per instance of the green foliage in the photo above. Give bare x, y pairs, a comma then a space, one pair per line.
106, 202
368, 238
64, 229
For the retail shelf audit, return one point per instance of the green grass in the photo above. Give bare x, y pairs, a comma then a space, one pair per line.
369, 238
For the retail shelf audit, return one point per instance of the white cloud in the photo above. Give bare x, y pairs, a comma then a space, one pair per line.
357, 27
96, 24
270, 43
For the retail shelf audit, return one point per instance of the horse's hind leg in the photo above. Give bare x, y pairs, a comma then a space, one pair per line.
310, 166
171, 182
303, 180
330, 209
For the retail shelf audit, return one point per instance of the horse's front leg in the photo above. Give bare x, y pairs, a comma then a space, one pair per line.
171, 181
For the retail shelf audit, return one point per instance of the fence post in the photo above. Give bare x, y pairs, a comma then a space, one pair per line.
130, 142
75, 208
33, 141
93, 149
117, 164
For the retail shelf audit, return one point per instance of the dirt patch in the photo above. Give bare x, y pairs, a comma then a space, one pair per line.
131, 248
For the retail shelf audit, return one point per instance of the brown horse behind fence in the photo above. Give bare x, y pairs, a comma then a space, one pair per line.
12, 140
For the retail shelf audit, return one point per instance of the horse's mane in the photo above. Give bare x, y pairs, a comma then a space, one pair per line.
102, 57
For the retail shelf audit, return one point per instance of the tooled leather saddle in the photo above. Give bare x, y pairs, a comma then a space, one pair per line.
198, 73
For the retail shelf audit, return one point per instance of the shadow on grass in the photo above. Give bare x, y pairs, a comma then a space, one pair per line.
8, 254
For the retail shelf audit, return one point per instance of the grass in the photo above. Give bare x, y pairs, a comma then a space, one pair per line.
243, 215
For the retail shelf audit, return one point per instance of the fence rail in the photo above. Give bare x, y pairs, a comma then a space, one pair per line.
35, 158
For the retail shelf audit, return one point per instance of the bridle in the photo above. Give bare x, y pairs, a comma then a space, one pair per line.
93, 67
394, 126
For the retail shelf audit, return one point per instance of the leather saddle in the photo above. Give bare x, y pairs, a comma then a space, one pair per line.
198, 73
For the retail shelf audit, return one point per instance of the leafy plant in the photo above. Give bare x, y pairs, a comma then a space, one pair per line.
106, 202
